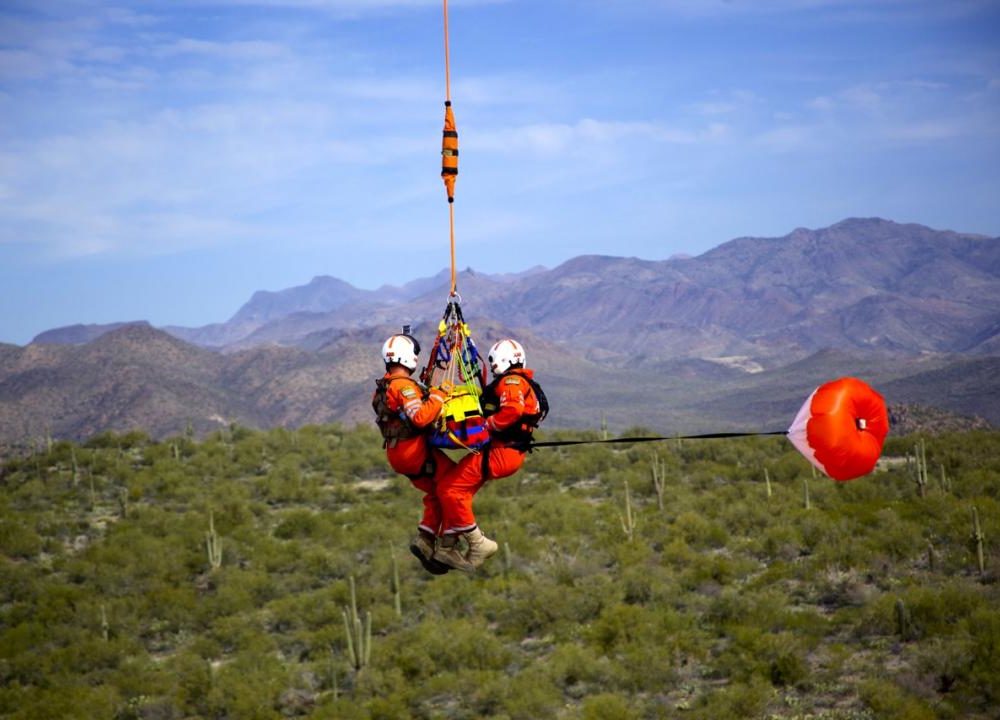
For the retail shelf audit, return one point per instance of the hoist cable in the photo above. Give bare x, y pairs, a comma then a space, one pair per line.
447, 59
449, 151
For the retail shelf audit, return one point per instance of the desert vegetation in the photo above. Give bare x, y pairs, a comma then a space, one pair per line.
265, 575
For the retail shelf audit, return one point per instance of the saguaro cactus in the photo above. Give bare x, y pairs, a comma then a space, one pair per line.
978, 538
397, 598
920, 467
628, 519
904, 624
767, 482
123, 502
659, 479
105, 626
945, 480
334, 685
359, 637
213, 544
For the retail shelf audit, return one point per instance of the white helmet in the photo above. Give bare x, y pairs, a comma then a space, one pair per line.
504, 354
401, 349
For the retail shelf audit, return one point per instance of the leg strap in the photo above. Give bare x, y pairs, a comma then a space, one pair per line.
486, 463
427, 471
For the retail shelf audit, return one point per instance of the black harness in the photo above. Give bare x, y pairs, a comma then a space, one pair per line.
518, 435
394, 425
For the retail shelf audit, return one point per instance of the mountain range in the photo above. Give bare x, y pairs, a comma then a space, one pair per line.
733, 338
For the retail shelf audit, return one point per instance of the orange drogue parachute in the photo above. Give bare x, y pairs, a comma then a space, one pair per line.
841, 427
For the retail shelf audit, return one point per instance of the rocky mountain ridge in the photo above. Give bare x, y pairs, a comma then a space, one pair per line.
865, 284
737, 335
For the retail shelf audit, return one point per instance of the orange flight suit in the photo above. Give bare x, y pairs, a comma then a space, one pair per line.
500, 459
423, 465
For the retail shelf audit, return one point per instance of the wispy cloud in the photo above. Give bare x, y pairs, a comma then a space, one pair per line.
588, 134
134, 130
191, 174
239, 51
725, 103
847, 9
341, 8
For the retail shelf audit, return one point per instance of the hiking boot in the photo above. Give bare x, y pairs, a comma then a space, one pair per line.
481, 548
422, 547
448, 553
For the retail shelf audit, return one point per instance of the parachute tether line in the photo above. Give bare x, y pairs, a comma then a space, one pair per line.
658, 438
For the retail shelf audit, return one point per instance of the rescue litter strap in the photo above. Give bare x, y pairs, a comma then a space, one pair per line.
456, 361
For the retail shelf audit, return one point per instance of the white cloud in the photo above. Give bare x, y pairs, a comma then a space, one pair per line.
242, 51
195, 141
787, 138
726, 103
849, 9
396, 89
587, 134
922, 132
344, 8
22, 64
822, 103
196, 173
863, 97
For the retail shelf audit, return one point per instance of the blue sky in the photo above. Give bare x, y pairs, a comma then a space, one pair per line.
161, 160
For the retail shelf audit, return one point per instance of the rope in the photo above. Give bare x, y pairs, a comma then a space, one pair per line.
449, 149
451, 223
447, 69
706, 436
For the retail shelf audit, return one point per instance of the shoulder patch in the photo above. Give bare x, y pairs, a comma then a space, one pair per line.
511, 381
408, 392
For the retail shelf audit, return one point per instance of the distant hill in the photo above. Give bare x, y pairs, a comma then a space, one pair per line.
734, 338
78, 334
911, 418
862, 284
137, 377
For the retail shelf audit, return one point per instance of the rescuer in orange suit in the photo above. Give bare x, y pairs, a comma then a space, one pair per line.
513, 404
404, 412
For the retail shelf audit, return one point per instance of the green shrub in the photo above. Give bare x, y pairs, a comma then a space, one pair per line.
735, 701
531, 696
699, 532
298, 524
983, 629
18, 540
889, 702
726, 603
607, 707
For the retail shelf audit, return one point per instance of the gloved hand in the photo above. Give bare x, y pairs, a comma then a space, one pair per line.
442, 391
